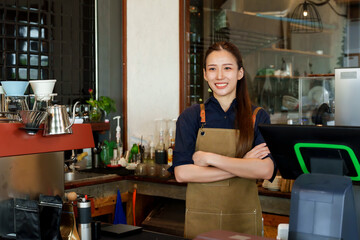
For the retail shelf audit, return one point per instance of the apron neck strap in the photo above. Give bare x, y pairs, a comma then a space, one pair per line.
254, 115
203, 121
202, 116
202, 113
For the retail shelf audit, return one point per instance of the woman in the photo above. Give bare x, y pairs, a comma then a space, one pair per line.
220, 152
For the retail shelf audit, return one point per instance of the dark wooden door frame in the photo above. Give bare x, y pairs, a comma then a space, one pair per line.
124, 68
184, 41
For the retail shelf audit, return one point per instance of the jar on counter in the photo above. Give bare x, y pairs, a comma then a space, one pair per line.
152, 170
141, 169
163, 170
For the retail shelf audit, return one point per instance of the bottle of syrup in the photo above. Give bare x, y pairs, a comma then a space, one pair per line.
170, 148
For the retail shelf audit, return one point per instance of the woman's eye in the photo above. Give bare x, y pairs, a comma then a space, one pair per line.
227, 68
211, 69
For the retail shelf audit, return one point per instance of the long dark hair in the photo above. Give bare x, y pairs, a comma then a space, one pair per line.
243, 120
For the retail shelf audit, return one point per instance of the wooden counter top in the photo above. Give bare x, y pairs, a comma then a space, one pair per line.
266, 192
107, 178
274, 202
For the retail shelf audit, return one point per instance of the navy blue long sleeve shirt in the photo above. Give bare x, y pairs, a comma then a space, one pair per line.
189, 122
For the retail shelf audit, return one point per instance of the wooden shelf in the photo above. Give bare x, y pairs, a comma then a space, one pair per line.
16, 141
100, 126
298, 52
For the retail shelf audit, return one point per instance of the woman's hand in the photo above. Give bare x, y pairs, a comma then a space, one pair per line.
201, 158
259, 151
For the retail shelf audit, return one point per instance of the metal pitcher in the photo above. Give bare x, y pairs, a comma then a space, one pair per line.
57, 121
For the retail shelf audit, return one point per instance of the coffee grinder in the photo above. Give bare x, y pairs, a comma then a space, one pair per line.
84, 218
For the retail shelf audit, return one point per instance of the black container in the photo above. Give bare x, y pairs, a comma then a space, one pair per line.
27, 219
95, 230
160, 157
7, 219
50, 214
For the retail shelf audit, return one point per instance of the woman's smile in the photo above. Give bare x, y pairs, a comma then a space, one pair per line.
221, 85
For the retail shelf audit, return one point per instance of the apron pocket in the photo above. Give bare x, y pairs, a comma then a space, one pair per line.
198, 221
201, 221
242, 222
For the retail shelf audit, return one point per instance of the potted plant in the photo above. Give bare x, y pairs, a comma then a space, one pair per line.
99, 107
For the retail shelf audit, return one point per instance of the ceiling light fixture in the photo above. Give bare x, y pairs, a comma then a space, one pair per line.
306, 19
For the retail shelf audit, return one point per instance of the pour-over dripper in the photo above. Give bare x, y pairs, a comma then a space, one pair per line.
42, 89
14, 88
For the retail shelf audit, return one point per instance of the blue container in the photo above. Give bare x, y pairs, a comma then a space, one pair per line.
14, 88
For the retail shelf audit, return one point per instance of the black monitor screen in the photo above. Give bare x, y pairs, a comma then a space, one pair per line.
314, 149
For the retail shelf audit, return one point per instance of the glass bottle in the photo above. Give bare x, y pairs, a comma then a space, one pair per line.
160, 152
152, 150
86, 114
119, 147
133, 152
96, 156
115, 158
78, 112
172, 127
170, 148
68, 110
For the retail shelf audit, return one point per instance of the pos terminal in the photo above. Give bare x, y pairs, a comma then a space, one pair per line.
324, 162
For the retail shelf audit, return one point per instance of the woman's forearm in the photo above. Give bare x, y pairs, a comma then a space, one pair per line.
254, 168
193, 173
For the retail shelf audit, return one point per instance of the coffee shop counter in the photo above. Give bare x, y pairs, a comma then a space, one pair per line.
217, 234
148, 235
101, 183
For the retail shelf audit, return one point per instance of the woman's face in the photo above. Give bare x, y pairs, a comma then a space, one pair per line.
222, 73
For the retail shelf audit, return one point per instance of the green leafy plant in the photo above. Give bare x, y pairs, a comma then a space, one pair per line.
107, 104
104, 103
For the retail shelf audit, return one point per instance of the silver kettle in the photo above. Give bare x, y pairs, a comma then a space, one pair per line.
57, 121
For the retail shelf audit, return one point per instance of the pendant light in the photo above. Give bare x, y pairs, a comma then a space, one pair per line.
306, 19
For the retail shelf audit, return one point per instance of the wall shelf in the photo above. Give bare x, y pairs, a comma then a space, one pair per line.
100, 126
328, 75
297, 52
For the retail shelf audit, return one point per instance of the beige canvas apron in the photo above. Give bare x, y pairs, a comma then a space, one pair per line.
231, 204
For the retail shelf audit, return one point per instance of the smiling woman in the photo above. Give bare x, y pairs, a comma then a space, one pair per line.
220, 152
